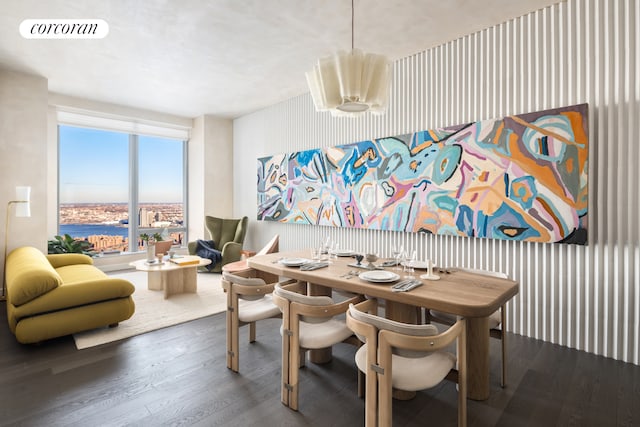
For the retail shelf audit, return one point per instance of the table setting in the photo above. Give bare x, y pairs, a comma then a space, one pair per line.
398, 271
304, 264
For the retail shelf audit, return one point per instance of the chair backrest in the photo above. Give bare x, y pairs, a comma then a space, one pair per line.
381, 323
223, 230
246, 281
248, 295
314, 301
272, 246
497, 274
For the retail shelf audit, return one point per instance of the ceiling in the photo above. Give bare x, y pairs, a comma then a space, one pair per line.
227, 58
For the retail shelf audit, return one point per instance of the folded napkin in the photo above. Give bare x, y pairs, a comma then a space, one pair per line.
406, 285
366, 266
401, 283
389, 263
313, 266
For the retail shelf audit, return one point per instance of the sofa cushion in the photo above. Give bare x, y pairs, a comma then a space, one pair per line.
77, 293
80, 273
29, 275
60, 260
64, 322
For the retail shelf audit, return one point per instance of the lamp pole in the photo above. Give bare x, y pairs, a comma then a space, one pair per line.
3, 297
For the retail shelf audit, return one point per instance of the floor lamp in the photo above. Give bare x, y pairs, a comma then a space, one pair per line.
23, 209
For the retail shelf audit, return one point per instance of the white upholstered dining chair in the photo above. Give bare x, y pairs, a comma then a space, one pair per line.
497, 320
308, 323
405, 357
248, 300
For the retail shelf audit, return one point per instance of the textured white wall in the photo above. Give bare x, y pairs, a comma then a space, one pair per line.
210, 172
574, 52
218, 167
195, 178
23, 155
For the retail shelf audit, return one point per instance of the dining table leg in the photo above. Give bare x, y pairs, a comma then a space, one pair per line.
400, 312
478, 358
320, 355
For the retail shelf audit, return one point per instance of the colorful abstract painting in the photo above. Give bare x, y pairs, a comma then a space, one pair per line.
521, 177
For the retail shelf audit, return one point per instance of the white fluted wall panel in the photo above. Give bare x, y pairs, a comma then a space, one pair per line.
586, 297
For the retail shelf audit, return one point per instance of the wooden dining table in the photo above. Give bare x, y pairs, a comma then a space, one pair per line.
466, 294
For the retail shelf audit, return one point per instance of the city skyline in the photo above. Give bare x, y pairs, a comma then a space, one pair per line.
94, 167
106, 225
110, 213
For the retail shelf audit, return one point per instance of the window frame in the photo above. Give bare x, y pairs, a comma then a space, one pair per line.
134, 129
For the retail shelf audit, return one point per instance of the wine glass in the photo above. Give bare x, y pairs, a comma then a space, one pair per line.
326, 246
409, 261
334, 250
397, 250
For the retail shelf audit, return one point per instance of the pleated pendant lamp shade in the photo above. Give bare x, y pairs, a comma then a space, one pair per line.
350, 83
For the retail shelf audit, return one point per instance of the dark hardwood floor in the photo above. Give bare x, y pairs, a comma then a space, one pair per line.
178, 376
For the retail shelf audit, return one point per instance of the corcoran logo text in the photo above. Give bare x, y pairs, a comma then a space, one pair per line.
64, 28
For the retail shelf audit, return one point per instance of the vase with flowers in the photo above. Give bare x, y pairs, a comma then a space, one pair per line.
150, 242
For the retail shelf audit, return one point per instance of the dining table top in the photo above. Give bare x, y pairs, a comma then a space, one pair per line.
457, 292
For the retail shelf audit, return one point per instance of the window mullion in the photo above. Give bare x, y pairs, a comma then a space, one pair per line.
133, 193
185, 192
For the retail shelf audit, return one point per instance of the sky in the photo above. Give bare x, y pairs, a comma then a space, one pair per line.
94, 167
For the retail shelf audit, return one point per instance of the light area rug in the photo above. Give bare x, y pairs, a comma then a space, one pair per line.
154, 312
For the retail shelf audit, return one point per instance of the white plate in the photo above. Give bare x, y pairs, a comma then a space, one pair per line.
293, 262
344, 252
417, 264
379, 276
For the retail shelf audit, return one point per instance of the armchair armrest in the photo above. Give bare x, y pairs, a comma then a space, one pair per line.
61, 260
191, 247
231, 252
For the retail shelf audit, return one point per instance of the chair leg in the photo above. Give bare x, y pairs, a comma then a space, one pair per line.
462, 405
284, 395
235, 346
252, 332
229, 341
427, 316
361, 383
461, 350
232, 331
294, 372
385, 400
302, 359
503, 340
503, 377
371, 399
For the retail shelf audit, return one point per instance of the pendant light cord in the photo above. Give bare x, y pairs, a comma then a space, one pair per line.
352, 24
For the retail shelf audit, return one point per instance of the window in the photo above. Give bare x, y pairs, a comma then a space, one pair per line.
114, 186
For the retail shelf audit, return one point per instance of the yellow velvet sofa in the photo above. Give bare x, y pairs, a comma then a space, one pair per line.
55, 295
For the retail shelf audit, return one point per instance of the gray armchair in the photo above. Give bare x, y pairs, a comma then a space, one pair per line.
228, 236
